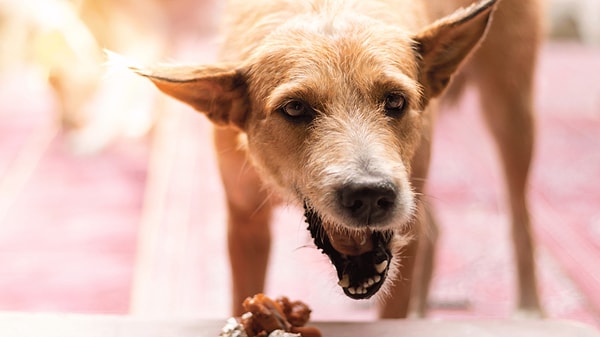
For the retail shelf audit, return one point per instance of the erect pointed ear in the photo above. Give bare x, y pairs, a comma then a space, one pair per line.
443, 45
219, 91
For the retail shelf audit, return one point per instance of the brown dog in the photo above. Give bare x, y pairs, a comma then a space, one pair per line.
331, 102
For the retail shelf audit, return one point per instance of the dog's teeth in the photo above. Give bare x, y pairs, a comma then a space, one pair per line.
363, 241
352, 291
368, 282
344, 282
376, 278
380, 268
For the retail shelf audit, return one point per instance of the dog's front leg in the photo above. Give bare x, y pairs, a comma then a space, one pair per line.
428, 237
397, 303
409, 292
219, 92
249, 212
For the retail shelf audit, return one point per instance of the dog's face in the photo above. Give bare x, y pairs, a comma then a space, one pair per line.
332, 116
335, 126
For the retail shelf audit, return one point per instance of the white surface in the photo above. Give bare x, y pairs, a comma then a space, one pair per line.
67, 325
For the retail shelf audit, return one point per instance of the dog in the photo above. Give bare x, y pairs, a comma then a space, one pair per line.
63, 41
332, 104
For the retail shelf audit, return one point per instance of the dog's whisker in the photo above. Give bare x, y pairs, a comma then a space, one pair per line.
262, 204
304, 247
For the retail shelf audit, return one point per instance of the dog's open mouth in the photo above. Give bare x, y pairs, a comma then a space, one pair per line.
362, 262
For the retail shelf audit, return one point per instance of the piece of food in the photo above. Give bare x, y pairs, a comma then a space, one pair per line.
265, 317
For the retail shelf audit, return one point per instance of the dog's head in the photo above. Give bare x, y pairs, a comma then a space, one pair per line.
333, 114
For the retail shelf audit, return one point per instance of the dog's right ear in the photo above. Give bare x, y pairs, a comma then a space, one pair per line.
219, 91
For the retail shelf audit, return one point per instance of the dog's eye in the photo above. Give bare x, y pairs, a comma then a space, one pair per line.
297, 110
394, 104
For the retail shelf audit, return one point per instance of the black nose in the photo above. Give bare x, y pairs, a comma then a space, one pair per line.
368, 202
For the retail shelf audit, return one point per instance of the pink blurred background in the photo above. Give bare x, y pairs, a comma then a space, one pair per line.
138, 225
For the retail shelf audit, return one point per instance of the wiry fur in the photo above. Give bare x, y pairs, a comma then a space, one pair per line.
340, 61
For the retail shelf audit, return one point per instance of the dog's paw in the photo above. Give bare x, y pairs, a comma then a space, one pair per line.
528, 314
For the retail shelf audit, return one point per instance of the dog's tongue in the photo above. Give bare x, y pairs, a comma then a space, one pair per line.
351, 243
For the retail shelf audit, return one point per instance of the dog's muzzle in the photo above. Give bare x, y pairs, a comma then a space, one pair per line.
360, 276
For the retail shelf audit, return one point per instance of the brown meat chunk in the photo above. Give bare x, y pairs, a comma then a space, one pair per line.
265, 315
296, 312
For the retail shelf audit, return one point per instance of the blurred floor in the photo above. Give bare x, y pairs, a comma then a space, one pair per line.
69, 224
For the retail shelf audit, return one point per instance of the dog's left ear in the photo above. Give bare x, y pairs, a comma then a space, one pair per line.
218, 91
444, 45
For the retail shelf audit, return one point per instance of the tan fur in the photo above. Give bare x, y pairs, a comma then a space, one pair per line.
342, 60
